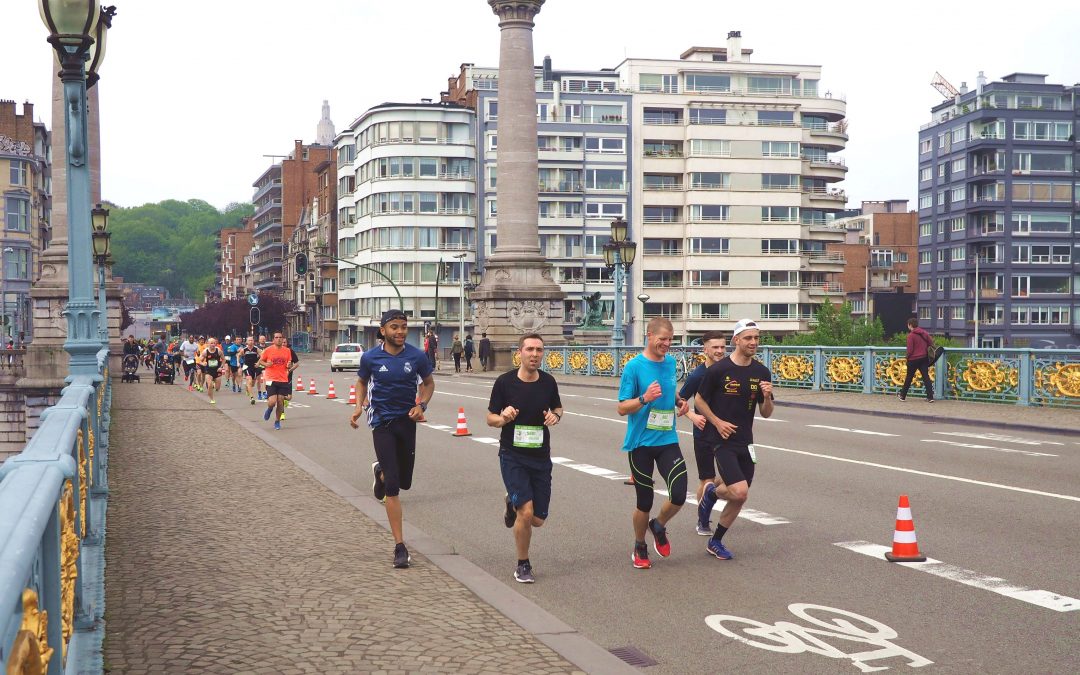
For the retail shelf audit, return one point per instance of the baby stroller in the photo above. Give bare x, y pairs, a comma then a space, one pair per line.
130, 366
164, 369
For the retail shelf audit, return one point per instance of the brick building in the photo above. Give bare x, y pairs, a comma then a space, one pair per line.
233, 244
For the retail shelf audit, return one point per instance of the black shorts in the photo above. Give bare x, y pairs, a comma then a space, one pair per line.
703, 456
395, 448
735, 463
212, 372
527, 479
278, 389
234, 369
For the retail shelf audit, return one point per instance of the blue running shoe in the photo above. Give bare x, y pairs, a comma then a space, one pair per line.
705, 506
718, 549
269, 411
277, 426
705, 529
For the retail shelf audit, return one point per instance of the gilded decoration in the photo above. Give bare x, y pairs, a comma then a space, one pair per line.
985, 376
894, 369
554, 360
30, 652
844, 369
626, 358
579, 360
603, 361
69, 555
791, 367
517, 359
1063, 380
91, 444
82, 488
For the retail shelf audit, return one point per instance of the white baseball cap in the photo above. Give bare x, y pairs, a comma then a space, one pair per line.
743, 325
228, 337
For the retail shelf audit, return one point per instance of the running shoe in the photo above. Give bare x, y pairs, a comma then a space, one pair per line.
660, 540
212, 402
510, 515
640, 557
190, 388
705, 529
378, 488
705, 506
277, 426
268, 413
524, 574
401, 557
286, 403
717, 548
252, 400
901, 397
282, 416
929, 400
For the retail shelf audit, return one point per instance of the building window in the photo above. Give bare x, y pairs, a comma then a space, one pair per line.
924, 313
17, 263
709, 212
712, 82
924, 285
605, 179
708, 310
20, 172
926, 173
925, 257
925, 146
958, 283
926, 200
17, 212
926, 229
958, 312
609, 210
704, 245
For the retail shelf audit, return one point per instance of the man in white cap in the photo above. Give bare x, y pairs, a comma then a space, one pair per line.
727, 397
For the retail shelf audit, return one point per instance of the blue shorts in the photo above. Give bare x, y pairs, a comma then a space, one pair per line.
527, 479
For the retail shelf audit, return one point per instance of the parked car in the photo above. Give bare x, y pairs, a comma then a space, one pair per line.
346, 356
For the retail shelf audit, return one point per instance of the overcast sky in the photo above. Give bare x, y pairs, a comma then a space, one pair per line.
193, 95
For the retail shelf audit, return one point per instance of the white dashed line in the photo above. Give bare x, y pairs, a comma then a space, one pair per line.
975, 446
486, 439
853, 431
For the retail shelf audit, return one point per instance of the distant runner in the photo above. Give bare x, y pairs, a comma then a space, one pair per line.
713, 350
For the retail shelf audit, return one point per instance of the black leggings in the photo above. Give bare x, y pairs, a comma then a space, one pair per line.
668, 460
395, 448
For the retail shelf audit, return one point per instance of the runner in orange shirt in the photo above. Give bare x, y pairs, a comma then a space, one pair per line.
276, 360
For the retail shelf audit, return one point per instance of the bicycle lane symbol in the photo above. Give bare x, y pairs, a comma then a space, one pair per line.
791, 638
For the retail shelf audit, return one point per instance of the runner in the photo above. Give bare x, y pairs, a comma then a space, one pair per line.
211, 361
713, 350
259, 381
647, 396
727, 398
524, 403
252, 374
295, 365
199, 349
392, 369
277, 362
232, 356
188, 349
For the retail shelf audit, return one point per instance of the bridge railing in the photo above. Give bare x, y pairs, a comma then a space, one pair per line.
51, 512
1041, 377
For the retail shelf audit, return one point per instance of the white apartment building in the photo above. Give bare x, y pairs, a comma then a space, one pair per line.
733, 189
406, 203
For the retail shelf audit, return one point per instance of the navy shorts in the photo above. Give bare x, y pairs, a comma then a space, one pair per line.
703, 456
735, 463
527, 479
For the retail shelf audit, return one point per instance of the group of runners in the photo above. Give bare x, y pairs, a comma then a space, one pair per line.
395, 385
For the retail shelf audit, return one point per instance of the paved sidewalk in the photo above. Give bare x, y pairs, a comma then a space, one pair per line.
223, 556
999, 415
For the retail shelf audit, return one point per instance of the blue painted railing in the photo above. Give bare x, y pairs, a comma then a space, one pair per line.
1041, 377
52, 499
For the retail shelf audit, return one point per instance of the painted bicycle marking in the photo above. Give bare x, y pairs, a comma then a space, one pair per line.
791, 638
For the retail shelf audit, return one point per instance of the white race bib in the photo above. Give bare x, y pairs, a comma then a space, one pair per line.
753, 453
661, 420
528, 437
189, 361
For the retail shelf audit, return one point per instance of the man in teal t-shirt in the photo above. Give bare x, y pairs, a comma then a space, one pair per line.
649, 398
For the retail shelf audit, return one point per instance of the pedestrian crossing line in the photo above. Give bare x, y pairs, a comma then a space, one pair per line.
1040, 598
486, 439
753, 515
437, 427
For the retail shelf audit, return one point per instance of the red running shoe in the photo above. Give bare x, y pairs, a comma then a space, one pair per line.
640, 557
660, 540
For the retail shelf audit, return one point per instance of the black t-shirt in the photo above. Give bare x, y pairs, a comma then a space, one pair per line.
251, 357
213, 358
527, 433
295, 359
733, 392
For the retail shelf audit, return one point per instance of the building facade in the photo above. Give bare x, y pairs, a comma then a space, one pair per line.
734, 189
406, 210
26, 187
232, 245
999, 213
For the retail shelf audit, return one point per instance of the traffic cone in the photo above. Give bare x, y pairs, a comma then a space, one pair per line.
422, 418
311, 390
904, 547
330, 391
462, 425
352, 394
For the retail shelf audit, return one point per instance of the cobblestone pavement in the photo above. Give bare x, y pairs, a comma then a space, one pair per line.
223, 557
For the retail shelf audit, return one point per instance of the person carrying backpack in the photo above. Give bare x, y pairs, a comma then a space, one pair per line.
919, 346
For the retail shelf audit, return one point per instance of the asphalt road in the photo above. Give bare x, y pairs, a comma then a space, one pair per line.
995, 511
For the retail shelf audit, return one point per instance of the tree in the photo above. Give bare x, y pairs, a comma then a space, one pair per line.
837, 328
229, 317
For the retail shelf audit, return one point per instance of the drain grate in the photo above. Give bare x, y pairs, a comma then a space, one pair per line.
634, 656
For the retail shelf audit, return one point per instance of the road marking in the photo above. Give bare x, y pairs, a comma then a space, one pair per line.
759, 517
853, 431
438, 427
1029, 453
998, 437
486, 439
1058, 603
930, 474
595, 417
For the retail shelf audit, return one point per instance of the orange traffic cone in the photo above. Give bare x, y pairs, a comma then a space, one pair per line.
330, 391
462, 425
904, 547
311, 390
422, 418
352, 394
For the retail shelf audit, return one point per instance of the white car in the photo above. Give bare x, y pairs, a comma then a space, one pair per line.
346, 356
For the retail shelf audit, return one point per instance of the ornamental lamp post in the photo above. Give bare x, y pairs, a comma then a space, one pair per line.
643, 298
619, 255
99, 218
461, 300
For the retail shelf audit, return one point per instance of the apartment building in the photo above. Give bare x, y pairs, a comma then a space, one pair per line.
26, 186
406, 210
232, 245
734, 189
999, 213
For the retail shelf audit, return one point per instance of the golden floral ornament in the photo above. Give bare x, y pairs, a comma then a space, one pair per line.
82, 487
985, 375
894, 370
603, 361
791, 367
1063, 380
844, 369
69, 556
626, 358
554, 360
30, 652
579, 360
517, 359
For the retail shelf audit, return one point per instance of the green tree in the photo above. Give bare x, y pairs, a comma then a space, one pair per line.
836, 327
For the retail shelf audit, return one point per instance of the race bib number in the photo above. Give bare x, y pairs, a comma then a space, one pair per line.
189, 361
661, 420
528, 437
212, 363
753, 453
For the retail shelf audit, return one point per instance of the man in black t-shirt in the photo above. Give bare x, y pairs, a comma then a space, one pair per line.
727, 397
524, 403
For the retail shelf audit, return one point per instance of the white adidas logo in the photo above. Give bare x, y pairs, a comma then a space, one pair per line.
384, 369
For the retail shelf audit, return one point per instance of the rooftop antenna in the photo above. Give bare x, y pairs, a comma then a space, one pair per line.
942, 85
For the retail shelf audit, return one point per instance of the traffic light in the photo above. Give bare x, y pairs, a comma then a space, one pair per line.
301, 263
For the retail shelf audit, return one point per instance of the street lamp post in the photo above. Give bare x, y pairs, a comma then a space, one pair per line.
619, 255
461, 300
99, 217
978, 291
73, 25
643, 298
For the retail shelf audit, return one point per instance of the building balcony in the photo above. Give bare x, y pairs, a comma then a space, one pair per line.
824, 258
560, 186
822, 287
267, 228
270, 187
831, 138
560, 155
823, 198
829, 169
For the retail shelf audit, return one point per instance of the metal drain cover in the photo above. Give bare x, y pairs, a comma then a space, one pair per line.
634, 656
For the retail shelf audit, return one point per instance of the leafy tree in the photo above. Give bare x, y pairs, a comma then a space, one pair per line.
229, 317
837, 328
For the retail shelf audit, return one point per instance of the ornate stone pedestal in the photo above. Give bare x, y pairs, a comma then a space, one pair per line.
518, 298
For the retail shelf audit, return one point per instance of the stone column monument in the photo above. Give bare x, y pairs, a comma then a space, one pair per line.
518, 294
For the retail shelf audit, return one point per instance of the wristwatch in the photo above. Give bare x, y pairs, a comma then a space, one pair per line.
423, 406
641, 400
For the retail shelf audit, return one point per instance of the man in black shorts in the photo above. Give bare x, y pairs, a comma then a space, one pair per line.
728, 395
392, 369
249, 359
713, 350
524, 403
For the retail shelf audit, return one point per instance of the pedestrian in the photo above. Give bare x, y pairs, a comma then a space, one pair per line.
918, 359
457, 349
130, 346
727, 397
524, 403
713, 350
648, 398
276, 361
485, 352
388, 374
432, 349
469, 351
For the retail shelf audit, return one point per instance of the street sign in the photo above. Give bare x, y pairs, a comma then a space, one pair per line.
253, 299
